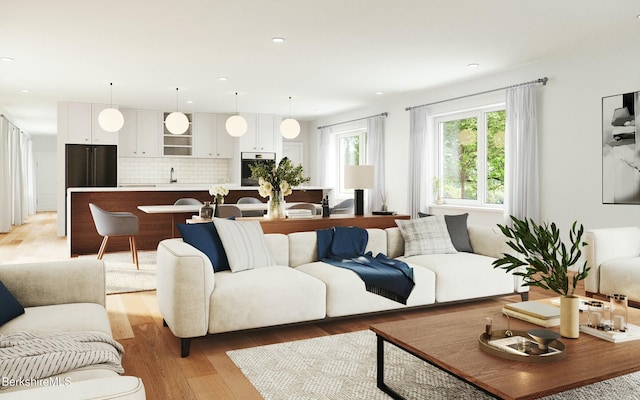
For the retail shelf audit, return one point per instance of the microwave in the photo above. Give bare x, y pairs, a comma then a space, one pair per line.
247, 159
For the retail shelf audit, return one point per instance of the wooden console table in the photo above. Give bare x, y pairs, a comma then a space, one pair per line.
290, 225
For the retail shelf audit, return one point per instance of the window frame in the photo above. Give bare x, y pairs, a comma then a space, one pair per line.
481, 161
362, 134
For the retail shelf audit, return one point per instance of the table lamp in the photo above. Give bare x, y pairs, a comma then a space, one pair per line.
358, 177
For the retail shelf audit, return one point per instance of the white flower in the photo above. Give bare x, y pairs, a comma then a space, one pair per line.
284, 186
218, 191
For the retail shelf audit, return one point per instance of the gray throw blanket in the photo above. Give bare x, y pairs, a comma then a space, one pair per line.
25, 356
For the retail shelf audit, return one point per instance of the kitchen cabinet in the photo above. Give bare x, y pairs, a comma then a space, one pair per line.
78, 124
210, 138
177, 145
140, 135
263, 133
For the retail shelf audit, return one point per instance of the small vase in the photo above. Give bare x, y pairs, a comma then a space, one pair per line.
569, 317
216, 211
275, 206
206, 211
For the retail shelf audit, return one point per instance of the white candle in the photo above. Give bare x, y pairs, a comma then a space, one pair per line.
618, 322
597, 318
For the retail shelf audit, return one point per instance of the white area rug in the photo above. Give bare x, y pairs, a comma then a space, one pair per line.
121, 273
343, 367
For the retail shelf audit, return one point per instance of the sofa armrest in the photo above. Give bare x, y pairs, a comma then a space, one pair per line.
56, 282
608, 244
185, 281
120, 387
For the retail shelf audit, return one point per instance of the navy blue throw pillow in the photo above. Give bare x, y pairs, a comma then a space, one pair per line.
10, 308
205, 238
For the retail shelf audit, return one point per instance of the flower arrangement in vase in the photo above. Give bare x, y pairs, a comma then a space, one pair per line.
544, 261
218, 192
276, 182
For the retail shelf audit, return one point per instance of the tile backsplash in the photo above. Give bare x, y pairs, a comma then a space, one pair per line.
154, 170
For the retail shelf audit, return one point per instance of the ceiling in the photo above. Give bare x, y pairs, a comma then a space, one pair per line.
336, 56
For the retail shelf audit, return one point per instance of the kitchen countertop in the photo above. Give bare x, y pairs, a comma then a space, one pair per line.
166, 187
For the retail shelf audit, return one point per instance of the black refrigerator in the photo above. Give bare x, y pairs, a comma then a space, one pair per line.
91, 165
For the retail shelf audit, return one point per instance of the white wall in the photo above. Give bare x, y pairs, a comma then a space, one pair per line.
569, 127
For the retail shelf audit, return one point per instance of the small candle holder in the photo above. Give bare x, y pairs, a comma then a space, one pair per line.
618, 309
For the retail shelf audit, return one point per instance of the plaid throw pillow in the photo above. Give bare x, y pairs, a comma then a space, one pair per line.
427, 235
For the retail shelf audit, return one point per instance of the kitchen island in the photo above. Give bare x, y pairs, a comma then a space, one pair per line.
82, 237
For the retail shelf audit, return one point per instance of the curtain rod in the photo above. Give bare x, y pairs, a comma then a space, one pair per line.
536, 81
384, 114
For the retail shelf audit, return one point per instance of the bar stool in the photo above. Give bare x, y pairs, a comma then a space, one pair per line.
115, 224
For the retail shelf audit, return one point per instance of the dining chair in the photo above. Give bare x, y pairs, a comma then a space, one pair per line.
187, 201
304, 206
344, 207
227, 211
251, 213
118, 223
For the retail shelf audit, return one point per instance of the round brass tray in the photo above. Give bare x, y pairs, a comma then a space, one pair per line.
483, 343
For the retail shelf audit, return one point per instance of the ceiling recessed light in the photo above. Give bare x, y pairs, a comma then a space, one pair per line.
25, 91
223, 78
473, 65
6, 59
189, 101
379, 93
277, 39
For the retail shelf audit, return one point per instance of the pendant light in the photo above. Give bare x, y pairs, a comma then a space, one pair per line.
236, 124
177, 123
290, 128
111, 119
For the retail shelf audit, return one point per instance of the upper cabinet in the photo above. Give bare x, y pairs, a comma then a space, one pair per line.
177, 145
262, 133
210, 138
78, 123
140, 136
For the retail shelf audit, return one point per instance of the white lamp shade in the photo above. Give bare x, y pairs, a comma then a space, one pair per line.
358, 177
110, 119
290, 128
236, 125
177, 123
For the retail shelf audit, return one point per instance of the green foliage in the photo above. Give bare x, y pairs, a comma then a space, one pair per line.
545, 258
284, 172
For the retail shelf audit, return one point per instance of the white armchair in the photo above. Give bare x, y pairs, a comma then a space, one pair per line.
613, 254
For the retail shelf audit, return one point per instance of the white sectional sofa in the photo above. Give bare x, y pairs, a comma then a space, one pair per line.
194, 301
613, 254
64, 296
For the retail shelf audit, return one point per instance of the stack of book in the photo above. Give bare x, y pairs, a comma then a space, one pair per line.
534, 312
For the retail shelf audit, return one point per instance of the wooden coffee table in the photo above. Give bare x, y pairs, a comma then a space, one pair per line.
449, 341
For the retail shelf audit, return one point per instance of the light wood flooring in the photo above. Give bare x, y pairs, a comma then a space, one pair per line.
152, 352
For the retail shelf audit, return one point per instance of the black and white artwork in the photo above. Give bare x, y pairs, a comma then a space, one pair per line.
620, 150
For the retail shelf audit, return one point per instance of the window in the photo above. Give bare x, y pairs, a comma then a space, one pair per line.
351, 148
471, 157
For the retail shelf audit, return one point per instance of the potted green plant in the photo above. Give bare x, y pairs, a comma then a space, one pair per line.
544, 261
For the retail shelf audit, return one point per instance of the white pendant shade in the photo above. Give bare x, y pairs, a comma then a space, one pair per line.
177, 123
290, 128
236, 125
111, 119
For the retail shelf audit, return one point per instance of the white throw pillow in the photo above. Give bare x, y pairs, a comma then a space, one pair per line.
244, 244
428, 235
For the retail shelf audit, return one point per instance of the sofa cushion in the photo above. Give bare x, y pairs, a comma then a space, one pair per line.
264, 297
427, 235
347, 294
11, 307
244, 244
463, 276
74, 317
205, 238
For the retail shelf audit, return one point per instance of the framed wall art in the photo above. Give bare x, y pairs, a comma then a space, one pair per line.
620, 149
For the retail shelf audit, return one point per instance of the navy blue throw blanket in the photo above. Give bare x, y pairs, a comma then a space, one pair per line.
344, 247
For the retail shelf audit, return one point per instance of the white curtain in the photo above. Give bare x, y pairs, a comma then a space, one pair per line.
522, 186
5, 176
325, 158
417, 160
375, 157
18, 177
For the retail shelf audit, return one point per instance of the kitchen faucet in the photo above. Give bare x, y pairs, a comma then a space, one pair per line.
171, 179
